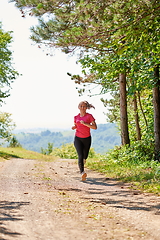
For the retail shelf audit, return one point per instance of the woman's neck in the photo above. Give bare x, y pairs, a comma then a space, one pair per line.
82, 114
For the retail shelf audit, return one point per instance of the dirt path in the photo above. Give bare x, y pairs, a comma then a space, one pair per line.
47, 201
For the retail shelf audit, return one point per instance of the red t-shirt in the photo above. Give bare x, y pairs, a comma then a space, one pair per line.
81, 130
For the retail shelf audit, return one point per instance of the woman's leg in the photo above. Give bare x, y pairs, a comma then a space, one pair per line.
86, 146
79, 148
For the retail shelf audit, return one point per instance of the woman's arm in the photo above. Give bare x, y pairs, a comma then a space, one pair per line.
74, 127
91, 125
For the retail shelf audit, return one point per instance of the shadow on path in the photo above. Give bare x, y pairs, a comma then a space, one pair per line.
115, 194
120, 197
9, 212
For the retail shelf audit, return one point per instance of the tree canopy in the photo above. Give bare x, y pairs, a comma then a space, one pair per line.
7, 72
118, 42
6, 125
94, 24
113, 36
7, 75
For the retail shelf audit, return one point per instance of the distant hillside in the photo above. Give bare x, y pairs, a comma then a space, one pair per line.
103, 139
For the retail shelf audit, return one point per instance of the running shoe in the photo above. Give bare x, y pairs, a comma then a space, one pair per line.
84, 175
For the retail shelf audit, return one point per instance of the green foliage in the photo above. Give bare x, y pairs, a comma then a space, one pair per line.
8, 153
131, 164
139, 151
47, 151
13, 143
117, 26
7, 72
145, 114
68, 151
7, 76
6, 126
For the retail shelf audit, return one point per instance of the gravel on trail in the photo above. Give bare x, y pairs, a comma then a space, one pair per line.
48, 201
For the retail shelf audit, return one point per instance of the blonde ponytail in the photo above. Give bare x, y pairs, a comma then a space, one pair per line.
89, 105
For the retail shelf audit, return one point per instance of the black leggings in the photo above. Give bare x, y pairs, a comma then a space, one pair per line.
82, 146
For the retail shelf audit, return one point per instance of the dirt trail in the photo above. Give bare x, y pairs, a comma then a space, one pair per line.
48, 201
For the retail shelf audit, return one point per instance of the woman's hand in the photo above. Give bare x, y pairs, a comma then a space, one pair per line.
93, 124
82, 122
74, 127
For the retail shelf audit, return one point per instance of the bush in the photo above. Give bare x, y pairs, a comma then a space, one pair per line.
47, 151
133, 163
68, 151
14, 143
138, 151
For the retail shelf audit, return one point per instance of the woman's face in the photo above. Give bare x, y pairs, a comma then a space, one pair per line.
82, 107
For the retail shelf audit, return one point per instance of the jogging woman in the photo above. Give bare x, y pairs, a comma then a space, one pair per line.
83, 122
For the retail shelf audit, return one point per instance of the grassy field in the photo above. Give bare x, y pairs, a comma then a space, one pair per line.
7, 153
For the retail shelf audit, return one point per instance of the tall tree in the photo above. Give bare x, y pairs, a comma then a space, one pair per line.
156, 104
123, 110
119, 27
6, 126
7, 76
7, 72
138, 129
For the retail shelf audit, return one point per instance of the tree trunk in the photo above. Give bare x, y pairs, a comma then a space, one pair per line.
138, 129
123, 110
140, 105
156, 105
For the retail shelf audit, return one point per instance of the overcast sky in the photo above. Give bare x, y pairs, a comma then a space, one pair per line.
44, 96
